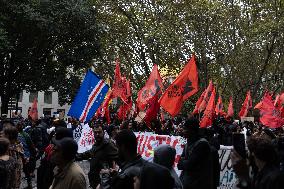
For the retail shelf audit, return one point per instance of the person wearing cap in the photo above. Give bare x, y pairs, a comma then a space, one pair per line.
195, 161
164, 155
45, 170
67, 173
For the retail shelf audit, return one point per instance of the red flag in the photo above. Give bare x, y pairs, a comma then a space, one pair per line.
206, 97
153, 85
270, 115
208, 116
279, 103
219, 106
246, 106
282, 99
128, 89
153, 110
230, 108
107, 115
105, 106
33, 113
119, 85
184, 86
124, 109
200, 99
258, 105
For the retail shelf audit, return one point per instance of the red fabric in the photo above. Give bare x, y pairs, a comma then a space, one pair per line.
128, 89
258, 105
33, 113
121, 112
270, 115
107, 115
206, 97
230, 108
98, 113
124, 109
153, 85
119, 85
246, 106
282, 99
184, 86
200, 99
219, 107
208, 116
153, 110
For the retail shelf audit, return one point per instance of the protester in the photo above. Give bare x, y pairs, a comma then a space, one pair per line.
16, 151
165, 155
29, 153
7, 166
133, 166
267, 174
45, 170
67, 173
195, 161
103, 154
112, 132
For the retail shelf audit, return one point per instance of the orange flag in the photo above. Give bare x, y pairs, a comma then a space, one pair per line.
206, 97
230, 108
184, 86
33, 113
153, 85
119, 85
219, 106
246, 106
269, 114
208, 116
200, 99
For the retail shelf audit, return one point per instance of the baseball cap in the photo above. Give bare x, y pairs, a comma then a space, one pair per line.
68, 146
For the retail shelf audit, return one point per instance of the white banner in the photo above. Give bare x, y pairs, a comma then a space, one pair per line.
227, 175
86, 138
148, 141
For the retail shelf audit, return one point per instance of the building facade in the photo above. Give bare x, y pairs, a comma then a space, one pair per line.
48, 104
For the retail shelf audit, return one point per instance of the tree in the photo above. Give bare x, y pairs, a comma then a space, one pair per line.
45, 44
239, 43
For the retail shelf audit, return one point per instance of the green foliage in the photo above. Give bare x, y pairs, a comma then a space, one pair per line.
239, 43
46, 44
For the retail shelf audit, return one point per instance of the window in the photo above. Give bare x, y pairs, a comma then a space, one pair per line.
32, 96
48, 97
21, 97
46, 112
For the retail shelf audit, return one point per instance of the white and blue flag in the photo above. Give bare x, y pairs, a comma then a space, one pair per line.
89, 98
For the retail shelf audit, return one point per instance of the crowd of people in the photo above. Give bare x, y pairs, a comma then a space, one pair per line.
48, 146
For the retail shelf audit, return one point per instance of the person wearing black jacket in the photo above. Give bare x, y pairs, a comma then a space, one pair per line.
102, 155
195, 161
134, 168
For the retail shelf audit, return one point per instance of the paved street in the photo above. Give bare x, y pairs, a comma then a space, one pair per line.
83, 164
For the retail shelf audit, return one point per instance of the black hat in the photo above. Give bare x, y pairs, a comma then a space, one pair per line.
68, 146
61, 132
191, 124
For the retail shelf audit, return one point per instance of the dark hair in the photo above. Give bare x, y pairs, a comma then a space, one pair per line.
4, 145
192, 124
264, 150
11, 133
8, 122
128, 139
59, 123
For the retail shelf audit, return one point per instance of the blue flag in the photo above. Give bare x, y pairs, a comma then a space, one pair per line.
89, 98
